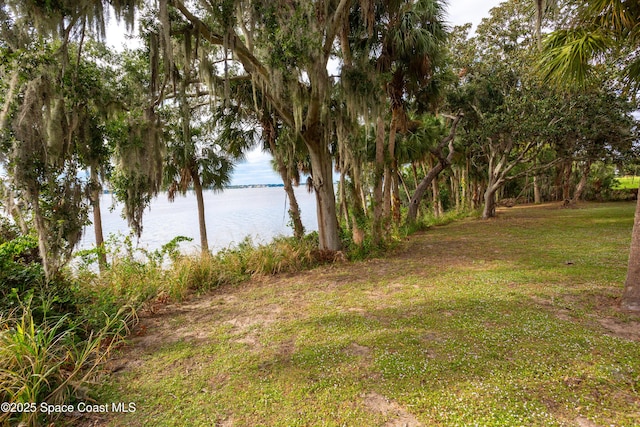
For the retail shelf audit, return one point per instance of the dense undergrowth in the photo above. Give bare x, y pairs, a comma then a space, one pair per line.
56, 335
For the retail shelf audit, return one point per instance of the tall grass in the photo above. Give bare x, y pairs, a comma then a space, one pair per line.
51, 361
138, 278
234, 265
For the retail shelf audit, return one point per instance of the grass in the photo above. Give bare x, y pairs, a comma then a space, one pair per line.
627, 183
512, 321
48, 362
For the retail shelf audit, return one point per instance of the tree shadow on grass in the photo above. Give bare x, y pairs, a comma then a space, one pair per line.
466, 360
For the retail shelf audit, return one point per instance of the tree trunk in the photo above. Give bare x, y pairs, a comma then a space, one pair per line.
465, 188
386, 192
566, 181
294, 209
377, 186
358, 211
557, 183
583, 182
537, 199
47, 265
421, 189
322, 166
455, 187
489, 210
437, 203
415, 175
97, 220
443, 162
197, 186
396, 203
394, 193
14, 208
342, 199
631, 294
404, 186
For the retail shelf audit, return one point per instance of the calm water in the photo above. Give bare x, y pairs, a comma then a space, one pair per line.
230, 216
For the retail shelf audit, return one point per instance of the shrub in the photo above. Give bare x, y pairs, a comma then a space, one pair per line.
19, 271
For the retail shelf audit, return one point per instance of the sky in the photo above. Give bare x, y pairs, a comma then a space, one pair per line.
256, 168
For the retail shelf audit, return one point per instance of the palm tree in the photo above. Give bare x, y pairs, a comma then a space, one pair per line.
390, 51
599, 29
195, 160
607, 29
286, 151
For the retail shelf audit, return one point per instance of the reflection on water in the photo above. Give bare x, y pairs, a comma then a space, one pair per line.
230, 216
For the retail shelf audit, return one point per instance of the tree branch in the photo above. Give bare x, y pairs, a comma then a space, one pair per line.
251, 64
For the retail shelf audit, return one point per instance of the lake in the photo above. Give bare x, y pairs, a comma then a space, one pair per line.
231, 215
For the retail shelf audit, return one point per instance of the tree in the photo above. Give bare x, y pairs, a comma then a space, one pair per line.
286, 151
57, 112
284, 49
444, 160
601, 29
500, 96
194, 159
392, 52
54, 127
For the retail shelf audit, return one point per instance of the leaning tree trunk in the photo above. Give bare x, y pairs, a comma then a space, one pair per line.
197, 187
443, 162
631, 295
294, 209
322, 166
582, 184
421, 190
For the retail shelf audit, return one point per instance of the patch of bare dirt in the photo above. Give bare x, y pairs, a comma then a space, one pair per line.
628, 330
559, 313
399, 417
622, 329
198, 320
245, 322
585, 422
174, 322
225, 423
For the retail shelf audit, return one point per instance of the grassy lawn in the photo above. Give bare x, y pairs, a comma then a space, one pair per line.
506, 322
627, 183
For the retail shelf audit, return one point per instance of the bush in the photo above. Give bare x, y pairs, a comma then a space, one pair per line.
19, 271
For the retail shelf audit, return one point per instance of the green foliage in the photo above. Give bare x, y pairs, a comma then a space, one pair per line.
137, 277
593, 30
234, 265
51, 360
20, 272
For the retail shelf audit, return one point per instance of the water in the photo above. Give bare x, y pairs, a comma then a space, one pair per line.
232, 215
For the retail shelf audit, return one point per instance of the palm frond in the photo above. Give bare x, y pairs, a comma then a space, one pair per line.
569, 55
